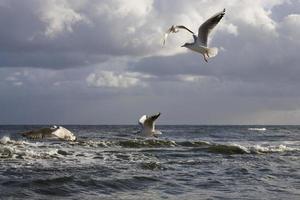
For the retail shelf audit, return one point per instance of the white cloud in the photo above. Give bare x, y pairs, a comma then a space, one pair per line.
123, 8
18, 83
57, 83
291, 27
11, 78
192, 78
231, 28
112, 79
59, 16
14, 79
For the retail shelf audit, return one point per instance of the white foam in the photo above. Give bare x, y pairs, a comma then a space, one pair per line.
266, 148
245, 149
5, 140
257, 129
272, 149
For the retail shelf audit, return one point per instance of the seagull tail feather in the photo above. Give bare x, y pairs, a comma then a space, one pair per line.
212, 52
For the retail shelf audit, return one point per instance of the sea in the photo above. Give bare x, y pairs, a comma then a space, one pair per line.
185, 162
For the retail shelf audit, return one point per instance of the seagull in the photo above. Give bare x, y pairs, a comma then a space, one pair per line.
148, 125
175, 29
54, 132
64, 134
200, 43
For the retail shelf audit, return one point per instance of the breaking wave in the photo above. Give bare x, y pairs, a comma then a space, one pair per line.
257, 129
256, 149
13, 149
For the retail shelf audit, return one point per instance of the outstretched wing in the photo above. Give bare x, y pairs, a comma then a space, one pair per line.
64, 134
150, 121
208, 25
38, 134
142, 120
174, 29
183, 27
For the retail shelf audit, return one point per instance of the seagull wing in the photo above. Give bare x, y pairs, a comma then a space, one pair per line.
183, 27
142, 120
150, 121
166, 36
38, 134
63, 134
208, 25
174, 29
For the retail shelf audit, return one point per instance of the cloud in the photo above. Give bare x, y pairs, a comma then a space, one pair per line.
115, 80
65, 34
291, 27
192, 78
83, 58
59, 17
18, 83
16, 78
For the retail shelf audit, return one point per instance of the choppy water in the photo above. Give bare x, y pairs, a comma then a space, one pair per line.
187, 162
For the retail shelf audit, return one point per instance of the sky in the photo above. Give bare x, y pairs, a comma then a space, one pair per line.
102, 62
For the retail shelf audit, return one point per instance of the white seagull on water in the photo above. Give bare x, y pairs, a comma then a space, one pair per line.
200, 42
148, 125
54, 132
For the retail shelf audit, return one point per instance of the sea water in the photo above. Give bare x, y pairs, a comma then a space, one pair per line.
185, 162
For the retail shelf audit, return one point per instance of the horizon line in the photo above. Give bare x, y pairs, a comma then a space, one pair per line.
125, 124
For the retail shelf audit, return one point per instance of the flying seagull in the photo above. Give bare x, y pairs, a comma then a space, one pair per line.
148, 125
200, 42
54, 132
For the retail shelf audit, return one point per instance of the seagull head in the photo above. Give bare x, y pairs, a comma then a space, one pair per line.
174, 29
54, 127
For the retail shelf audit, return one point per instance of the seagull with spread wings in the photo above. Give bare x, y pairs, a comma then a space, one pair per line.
200, 43
148, 125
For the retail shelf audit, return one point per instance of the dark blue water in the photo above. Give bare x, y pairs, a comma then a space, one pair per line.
186, 162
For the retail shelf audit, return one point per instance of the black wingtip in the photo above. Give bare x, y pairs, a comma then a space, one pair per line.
223, 12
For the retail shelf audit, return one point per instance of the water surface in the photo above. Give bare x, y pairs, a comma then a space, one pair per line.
186, 162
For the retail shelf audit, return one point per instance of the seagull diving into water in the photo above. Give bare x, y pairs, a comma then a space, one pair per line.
54, 132
148, 125
200, 42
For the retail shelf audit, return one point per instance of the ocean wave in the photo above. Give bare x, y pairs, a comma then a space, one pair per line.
251, 149
7, 140
130, 143
6, 153
228, 149
93, 143
112, 185
257, 129
272, 149
150, 143
194, 143
12, 149
152, 165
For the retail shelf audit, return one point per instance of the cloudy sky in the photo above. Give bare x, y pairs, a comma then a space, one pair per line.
101, 62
